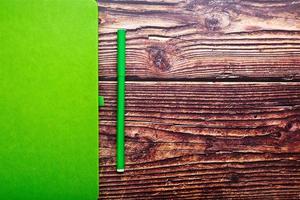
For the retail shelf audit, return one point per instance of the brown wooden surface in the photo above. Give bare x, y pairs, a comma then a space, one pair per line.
213, 99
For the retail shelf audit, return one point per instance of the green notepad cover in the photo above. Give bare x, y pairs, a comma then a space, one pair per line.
48, 100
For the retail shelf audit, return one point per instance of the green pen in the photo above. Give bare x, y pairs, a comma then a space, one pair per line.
121, 68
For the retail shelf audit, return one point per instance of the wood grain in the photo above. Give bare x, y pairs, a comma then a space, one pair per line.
202, 39
192, 140
213, 99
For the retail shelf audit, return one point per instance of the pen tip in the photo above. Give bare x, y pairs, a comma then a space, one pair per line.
120, 170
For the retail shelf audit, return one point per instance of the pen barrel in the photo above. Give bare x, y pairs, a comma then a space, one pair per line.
121, 69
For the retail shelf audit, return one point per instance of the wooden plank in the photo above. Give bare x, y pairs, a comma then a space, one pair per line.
192, 140
200, 39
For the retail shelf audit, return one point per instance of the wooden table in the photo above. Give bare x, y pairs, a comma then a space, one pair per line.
213, 99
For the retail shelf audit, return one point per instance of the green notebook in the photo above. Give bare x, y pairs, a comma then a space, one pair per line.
48, 99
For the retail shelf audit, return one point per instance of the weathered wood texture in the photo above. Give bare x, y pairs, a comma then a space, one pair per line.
190, 132
203, 140
211, 39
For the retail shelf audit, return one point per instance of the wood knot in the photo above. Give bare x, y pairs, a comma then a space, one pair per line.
158, 57
276, 134
293, 125
212, 24
234, 178
216, 21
